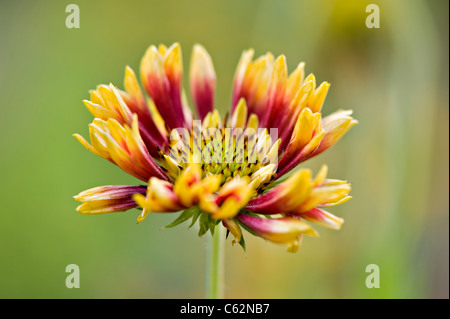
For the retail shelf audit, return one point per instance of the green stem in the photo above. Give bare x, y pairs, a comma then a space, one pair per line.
215, 264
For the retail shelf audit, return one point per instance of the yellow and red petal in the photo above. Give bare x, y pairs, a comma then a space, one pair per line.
307, 136
108, 199
241, 70
230, 198
286, 230
161, 73
186, 185
325, 195
335, 126
322, 218
252, 82
108, 102
151, 133
106, 206
113, 100
123, 146
276, 112
160, 197
284, 197
300, 196
294, 107
202, 80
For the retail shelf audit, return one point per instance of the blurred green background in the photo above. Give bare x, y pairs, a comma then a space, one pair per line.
394, 78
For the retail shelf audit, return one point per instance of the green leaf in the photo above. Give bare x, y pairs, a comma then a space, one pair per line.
184, 216
212, 224
197, 213
203, 223
242, 243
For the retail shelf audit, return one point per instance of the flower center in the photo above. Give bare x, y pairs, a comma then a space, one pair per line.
225, 151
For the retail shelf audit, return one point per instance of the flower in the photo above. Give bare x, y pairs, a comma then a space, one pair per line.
218, 170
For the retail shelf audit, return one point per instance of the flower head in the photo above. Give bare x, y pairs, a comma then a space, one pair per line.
213, 169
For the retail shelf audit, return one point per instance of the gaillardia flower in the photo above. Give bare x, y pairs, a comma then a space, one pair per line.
218, 170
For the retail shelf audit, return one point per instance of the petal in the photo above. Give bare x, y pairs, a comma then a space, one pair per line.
295, 81
299, 196
263, 176
161, 75
306, 137
113, 100
109, 192
99, 111
284, 197
321, 176
185, 184
135, 153
254, 84
152, 135
160, 198
106, 102
173, 64
325, 195
202, 80
241, 70
316, 101
239, 118
123, 146
88, 146
323, 218
106, 206
134, 91
157, 118
234, 228
108, 199
191, 189
187, 113
276, 111
253, 122
230, 198
335, 126
298, 102
286, 230
295, 107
